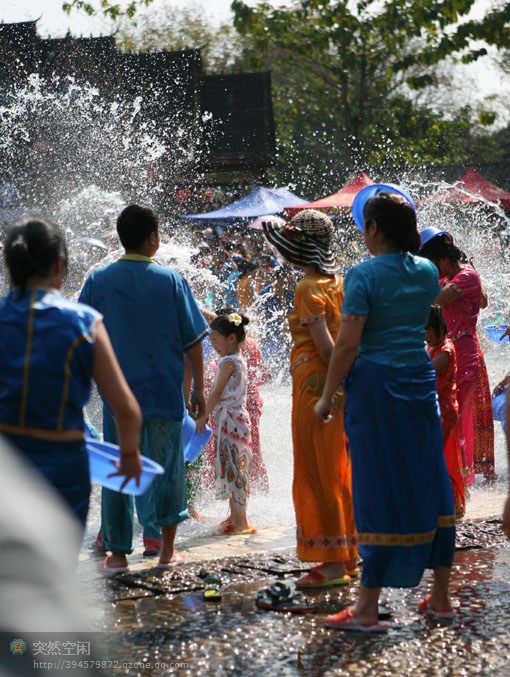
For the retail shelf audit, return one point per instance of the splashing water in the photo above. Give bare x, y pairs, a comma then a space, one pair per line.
82, 158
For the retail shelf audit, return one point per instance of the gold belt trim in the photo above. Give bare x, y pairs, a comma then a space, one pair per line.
43, 434
406, 539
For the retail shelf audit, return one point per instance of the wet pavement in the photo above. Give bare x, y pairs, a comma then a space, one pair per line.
157, 623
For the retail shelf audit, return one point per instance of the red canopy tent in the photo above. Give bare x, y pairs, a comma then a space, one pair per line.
332, 204
472, 187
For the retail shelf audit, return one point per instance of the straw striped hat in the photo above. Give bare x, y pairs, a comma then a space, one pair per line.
306, 240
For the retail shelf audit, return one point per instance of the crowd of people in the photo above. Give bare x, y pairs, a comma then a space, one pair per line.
391, 406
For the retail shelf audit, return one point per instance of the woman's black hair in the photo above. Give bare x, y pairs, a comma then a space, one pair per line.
31, 247
396, 219
225, 326
436, 320
442, 247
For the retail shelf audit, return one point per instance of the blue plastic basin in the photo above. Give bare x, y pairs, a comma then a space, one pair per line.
103, 455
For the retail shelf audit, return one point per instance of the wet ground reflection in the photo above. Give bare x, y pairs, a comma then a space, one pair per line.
160, 618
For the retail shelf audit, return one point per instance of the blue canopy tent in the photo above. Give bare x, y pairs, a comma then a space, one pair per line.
259, 202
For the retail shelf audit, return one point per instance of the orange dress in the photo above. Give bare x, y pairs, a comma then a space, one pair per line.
322, 484
447, 395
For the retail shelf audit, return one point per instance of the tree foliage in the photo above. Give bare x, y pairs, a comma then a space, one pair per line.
171, 28
113, 10
346, 74
356, 83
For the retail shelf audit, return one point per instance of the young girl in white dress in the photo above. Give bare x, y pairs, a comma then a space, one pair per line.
226, 405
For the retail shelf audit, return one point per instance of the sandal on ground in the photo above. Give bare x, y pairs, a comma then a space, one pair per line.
384, 611
354, 572
230, 529
152, 547
106, 570
425, 608
282, 597
345, 620
177, 559
212, 589
98, 546
314, 579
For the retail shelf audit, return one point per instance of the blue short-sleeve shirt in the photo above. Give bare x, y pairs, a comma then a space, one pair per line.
152, 319
394, 292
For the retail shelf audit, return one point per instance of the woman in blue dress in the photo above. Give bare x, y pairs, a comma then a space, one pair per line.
51, 349
402, 498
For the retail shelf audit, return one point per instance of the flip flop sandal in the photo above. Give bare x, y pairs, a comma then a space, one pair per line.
345, 620
212, 589
384, 612
231, 530
281, 597
354, 573
176, 560
425, 608
314, 579
103, 568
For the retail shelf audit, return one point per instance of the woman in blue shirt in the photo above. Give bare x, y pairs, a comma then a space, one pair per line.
402, 498
51, 349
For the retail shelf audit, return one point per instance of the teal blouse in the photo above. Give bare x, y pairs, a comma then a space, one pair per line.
394, 292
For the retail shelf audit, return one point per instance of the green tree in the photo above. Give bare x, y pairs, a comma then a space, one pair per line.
171, 28
346, 77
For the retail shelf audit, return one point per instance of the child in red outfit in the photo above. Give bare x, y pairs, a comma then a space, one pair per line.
442, 354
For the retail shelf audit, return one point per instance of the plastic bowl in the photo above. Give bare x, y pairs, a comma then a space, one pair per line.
103, 455
366, 193
193, 444
495, 331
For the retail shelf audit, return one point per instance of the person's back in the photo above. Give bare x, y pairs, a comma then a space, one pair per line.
396, 291
153, 320
47, 343
145, 307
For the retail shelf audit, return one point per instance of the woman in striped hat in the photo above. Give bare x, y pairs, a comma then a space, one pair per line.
322, 469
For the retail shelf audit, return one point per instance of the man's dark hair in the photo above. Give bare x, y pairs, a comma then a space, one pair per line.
135, 224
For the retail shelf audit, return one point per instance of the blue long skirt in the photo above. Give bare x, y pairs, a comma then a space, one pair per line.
403, 501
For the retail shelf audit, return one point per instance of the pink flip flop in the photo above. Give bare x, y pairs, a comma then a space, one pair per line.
176, 560
344, 620
106, 570
425, 608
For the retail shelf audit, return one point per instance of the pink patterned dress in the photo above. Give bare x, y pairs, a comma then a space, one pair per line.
473, 390
232, 440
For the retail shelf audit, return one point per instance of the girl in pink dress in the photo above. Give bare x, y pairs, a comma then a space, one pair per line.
461, 298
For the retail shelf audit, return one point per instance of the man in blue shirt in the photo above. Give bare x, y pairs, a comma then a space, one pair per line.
153, 320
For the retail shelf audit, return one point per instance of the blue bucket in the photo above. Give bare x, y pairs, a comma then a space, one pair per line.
103, 455
193, 444
495, 331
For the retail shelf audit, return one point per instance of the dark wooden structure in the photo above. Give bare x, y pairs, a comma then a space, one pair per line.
230, 116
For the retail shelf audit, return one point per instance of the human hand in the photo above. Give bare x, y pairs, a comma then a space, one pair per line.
506, 518
322, 410
505, 333
501, 385
129, 465
197, 403
200, 424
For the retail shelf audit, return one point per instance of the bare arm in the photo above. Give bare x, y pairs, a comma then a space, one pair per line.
344, 353
502, 384
506, 512
195, 360
225, 372
484, 299
440, 363
322, 340
447, 295
114, 388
